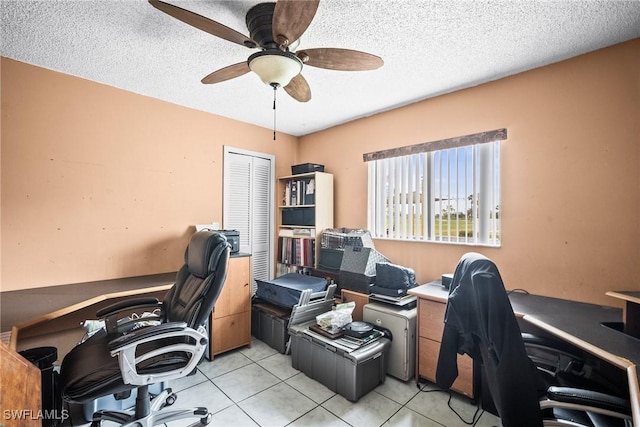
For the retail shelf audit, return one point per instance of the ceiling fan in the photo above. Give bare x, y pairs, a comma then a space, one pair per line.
275, 29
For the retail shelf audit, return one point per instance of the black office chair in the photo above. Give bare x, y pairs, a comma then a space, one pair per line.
479, 321
134, 353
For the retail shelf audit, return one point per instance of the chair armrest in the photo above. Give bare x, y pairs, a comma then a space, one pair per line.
130, 304
587, 400
176, 337
155, 332
115, 322
554, 357
550, 343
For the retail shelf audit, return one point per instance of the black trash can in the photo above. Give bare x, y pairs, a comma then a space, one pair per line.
43, 358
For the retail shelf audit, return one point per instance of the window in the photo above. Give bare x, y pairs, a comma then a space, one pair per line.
449, 195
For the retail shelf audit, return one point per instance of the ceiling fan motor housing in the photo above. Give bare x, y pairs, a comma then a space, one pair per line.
260, 24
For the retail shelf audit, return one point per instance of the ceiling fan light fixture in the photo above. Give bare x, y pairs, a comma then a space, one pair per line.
275, 67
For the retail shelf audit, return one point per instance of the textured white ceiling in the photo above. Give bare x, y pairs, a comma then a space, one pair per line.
429, 48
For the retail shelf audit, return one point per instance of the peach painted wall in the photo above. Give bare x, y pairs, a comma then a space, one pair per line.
570, 173
100, 183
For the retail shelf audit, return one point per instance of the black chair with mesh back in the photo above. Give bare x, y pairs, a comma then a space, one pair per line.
133, 353
479, 321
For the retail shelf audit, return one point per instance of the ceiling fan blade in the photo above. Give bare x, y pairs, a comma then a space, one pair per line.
298, 89
227, 73
291, 18
205, 24
340, 59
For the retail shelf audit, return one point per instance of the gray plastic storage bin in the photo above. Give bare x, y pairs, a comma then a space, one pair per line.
269, 327
350, 374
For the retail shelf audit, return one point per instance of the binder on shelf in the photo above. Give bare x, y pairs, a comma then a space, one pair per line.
299, 192
310, 192
294, 193
286, 198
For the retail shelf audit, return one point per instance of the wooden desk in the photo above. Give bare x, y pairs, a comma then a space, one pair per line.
631, 311
580, 324
33, 315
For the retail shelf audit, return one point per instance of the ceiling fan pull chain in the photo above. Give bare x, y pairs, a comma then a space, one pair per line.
275, 87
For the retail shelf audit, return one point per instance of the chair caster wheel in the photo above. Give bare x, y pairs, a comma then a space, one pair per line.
206, 420
170, 400
95, 423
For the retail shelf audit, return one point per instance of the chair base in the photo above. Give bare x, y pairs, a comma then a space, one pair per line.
156, 415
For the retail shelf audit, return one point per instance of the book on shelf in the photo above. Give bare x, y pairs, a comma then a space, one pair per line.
297, 251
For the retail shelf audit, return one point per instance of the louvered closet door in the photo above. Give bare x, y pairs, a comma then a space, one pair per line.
261, 232
248, 190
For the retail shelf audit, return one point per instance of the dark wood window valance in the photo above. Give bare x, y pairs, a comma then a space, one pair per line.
442, 144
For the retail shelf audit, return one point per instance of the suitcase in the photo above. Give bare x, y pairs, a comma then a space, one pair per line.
285, 290
402, 324
350, 373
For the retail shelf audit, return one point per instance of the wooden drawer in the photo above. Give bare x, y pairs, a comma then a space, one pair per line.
231, 332
464, 382
428, 363
431, 319
428, 358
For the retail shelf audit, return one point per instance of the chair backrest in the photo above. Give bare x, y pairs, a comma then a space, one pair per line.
485, 327
199, 281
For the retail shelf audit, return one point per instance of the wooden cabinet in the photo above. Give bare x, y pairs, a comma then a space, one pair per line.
360, 299
231, 318
432, 300
305, 210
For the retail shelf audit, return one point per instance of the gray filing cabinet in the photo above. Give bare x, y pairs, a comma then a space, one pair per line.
402, 324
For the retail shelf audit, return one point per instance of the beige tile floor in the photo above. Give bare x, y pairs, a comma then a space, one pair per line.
256, 386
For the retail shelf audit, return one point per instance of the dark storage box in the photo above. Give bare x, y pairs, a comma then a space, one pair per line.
357, 282
299, 216
330, 259
269, 325
306, 168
